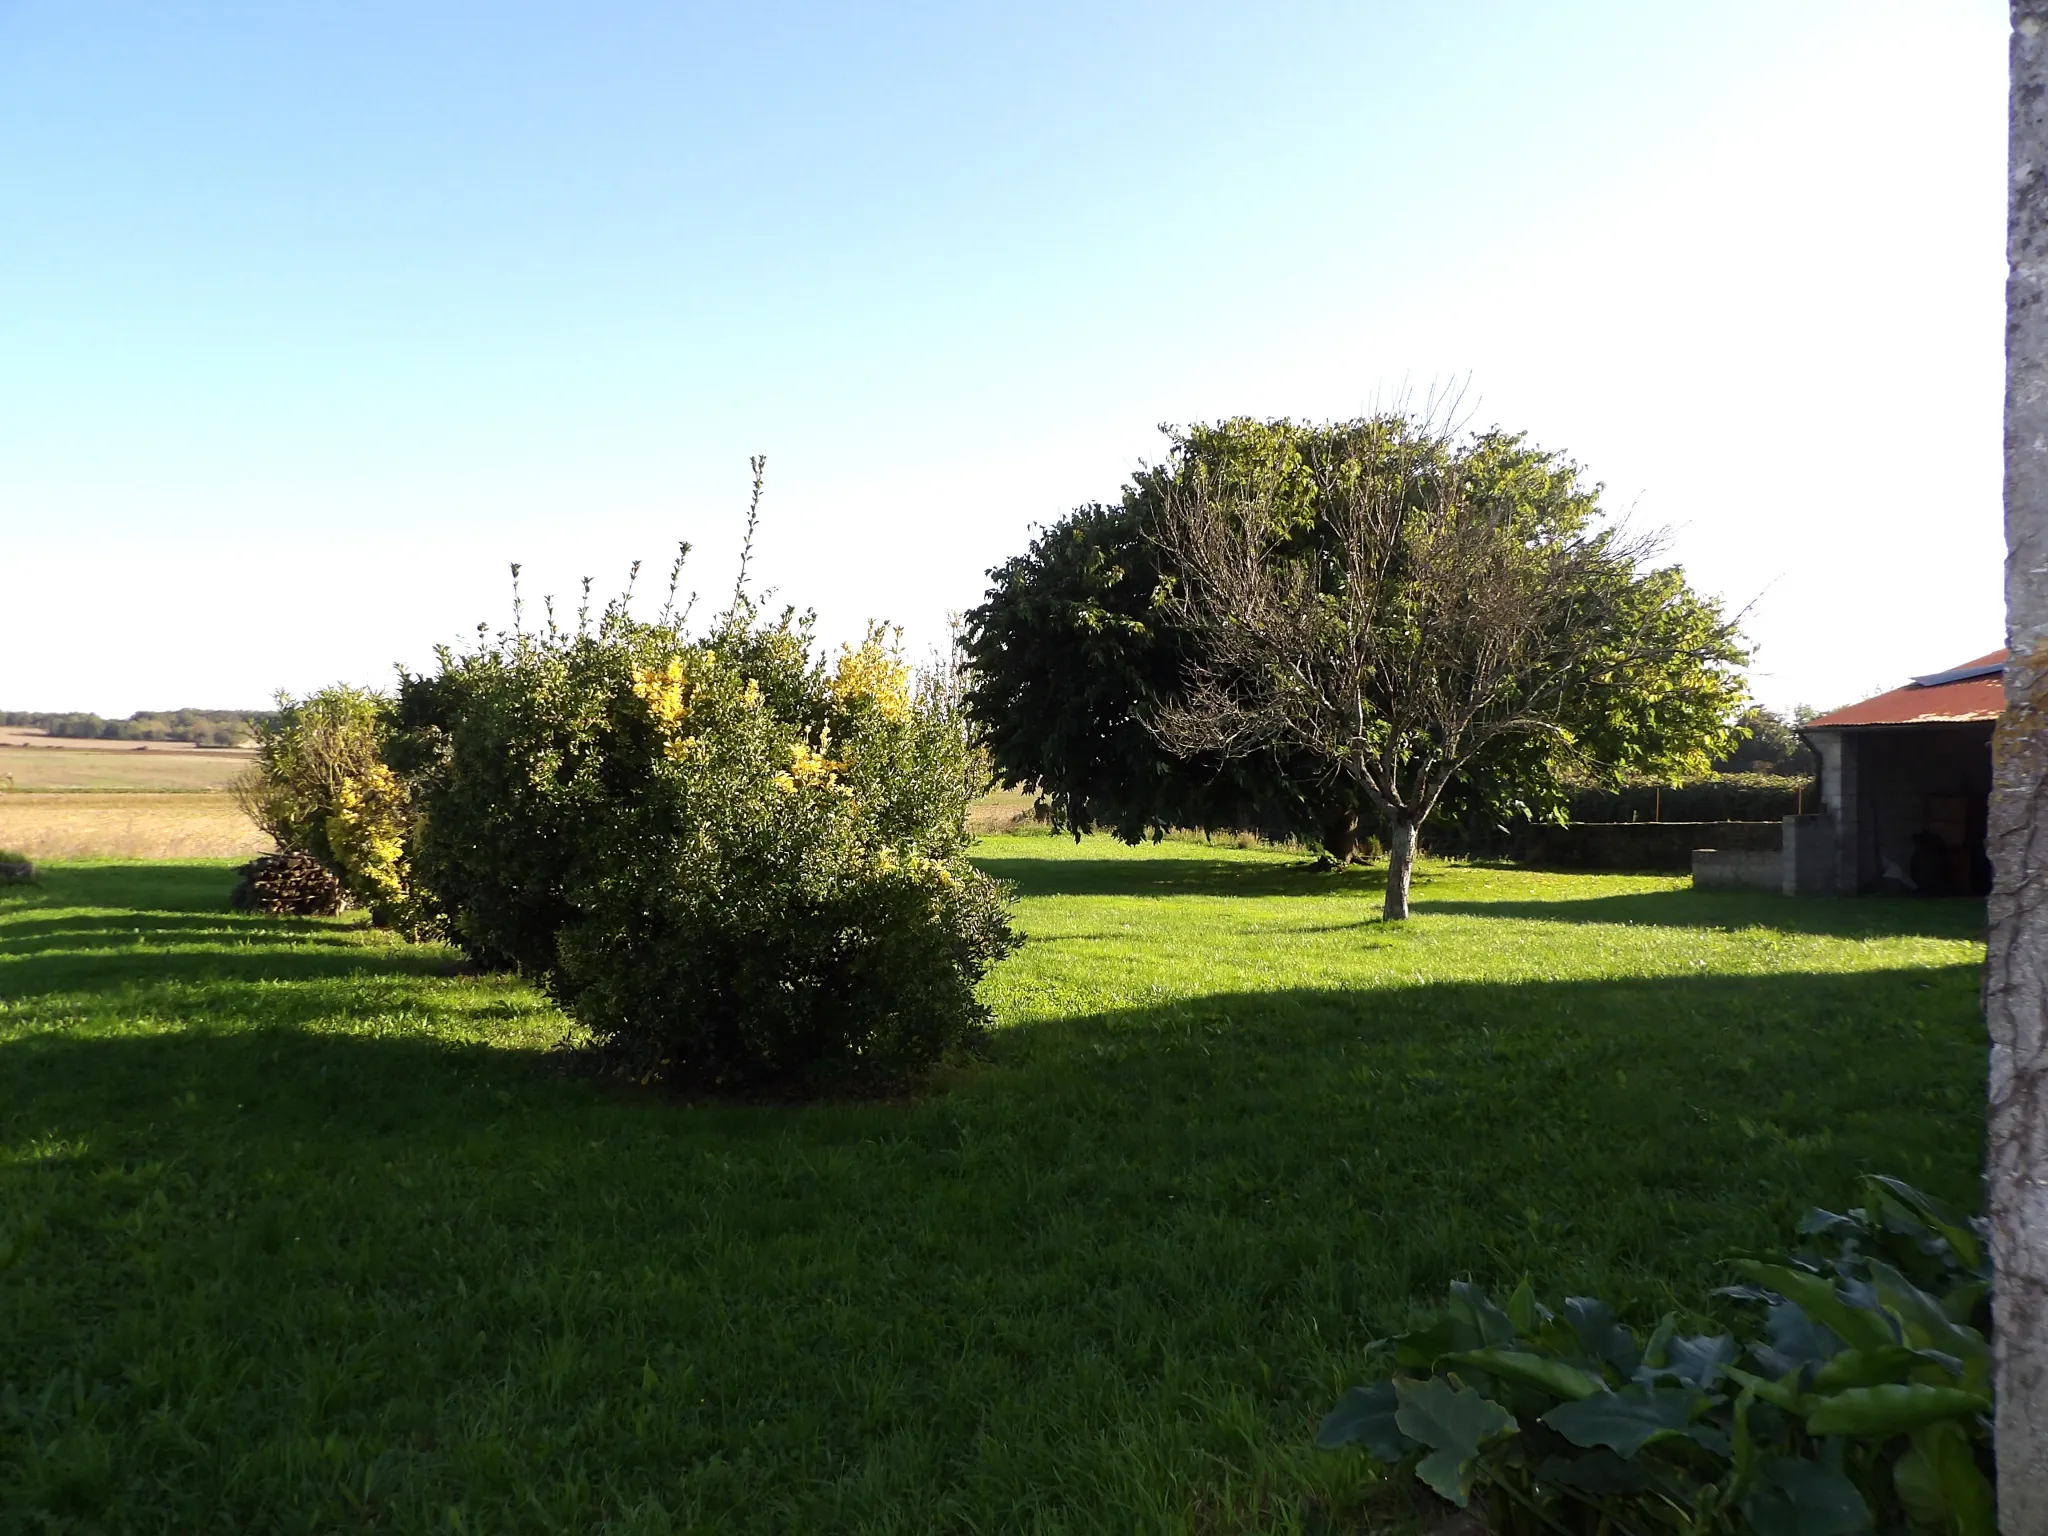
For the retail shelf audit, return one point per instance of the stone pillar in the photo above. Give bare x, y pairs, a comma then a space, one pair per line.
1849, 813
1809, 856
2016, 975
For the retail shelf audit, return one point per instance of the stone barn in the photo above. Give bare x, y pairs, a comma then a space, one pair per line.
1904, 781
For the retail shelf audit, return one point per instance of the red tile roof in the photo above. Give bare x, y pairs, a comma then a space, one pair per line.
1973, 691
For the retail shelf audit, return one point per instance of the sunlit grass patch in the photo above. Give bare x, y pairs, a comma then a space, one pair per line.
302, 1227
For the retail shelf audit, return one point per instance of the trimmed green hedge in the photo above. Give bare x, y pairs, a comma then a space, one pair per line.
1717, 797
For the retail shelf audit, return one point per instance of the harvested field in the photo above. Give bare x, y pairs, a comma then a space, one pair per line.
128, 826
1001, 810
33, 761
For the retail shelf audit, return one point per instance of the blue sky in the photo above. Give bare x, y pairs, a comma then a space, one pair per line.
313, 318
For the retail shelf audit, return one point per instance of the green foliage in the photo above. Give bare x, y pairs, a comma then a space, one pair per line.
1069, 657
1073, 655
71, 725
202, 727
1714, 797
1766, 743
320, 786
728, 860
1862, 1404
1710, 797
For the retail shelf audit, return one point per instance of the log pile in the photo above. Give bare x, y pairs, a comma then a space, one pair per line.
292, 884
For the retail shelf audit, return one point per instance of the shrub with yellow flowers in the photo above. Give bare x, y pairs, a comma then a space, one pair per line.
727, 859
320, 786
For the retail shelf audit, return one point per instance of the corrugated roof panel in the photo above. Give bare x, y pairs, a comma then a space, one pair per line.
1974, 693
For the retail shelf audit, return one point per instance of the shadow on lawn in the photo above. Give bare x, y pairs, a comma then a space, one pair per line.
128, 928
1451, 1103
176, 886
102, 930
336, 1226
346, 1235
1193, 873
1855, 917
1494, 1097
1465, 1100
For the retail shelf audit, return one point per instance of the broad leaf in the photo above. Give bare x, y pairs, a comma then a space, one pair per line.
1491, 1327
1552, 1376
1445, 1334
1968, 1505
1919, 1490
1784, 1394
1601, 1336
1456, 1421
1697, 1362
1600, 1473
1656, 1351
1803, 1498
1927, 1325
1627, 1420
1742, 1451
1961, 1303
1450, 1475
1891, 1409
1796, 1340
1820, 1223
1365, 1416
1526, 1313
1953, 1228
1874, 1367
1863, 1327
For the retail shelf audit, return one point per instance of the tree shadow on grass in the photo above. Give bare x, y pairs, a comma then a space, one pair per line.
1451, 1105
338, 1229
1842, 917
80, 930
1190, 873
1572, 1129
129, 927
167, 886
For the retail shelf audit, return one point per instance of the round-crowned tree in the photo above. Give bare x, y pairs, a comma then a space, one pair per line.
1312, 629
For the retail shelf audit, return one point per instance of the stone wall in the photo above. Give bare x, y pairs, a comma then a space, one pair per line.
1732, 869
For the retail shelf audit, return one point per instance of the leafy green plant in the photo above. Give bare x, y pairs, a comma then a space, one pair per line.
1861, 1403
728, 858
320, 786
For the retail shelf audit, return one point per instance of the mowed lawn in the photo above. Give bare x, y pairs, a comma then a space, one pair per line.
301, 1229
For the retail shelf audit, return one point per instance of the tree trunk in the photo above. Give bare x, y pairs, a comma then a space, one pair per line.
1401, 864
2016, 972
1340, 836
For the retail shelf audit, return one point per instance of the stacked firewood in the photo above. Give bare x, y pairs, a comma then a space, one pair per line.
294, 884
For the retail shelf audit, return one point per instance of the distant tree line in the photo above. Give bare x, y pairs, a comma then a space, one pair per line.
1766, 742
201, 727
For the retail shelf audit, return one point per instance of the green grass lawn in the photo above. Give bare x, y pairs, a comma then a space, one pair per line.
302, 1229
